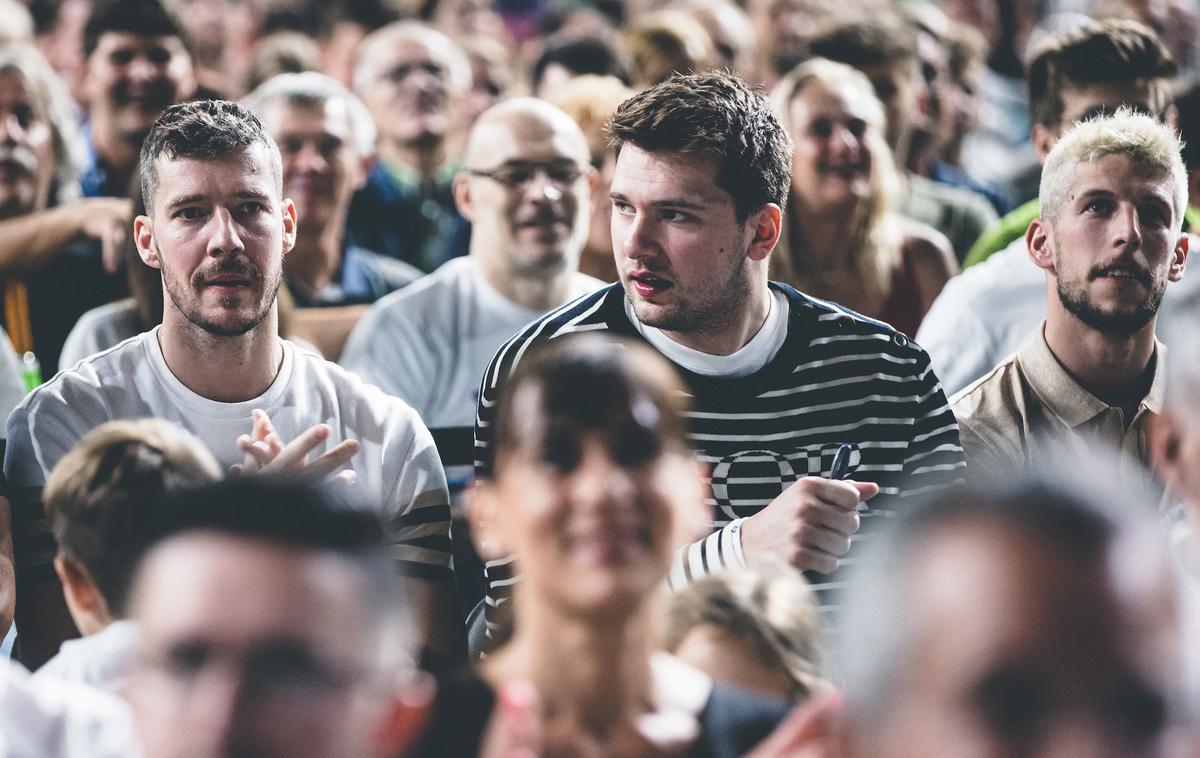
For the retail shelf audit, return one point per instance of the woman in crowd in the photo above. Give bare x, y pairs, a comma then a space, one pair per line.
594, 491
843, 239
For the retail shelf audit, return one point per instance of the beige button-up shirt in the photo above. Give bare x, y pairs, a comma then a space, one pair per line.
1029, 408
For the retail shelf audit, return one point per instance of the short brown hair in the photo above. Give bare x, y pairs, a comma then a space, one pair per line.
99, 497
1095, 53
713, 114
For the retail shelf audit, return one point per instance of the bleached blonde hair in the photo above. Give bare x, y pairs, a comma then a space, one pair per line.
1152, 146
875, 243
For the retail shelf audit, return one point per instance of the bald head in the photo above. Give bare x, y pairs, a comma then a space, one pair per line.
524, 119
525, 189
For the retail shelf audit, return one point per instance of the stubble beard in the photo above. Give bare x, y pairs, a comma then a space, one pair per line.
1076, 301
706, 316
177, 293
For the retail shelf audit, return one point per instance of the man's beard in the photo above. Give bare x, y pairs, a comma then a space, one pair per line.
177, 291
1077, 302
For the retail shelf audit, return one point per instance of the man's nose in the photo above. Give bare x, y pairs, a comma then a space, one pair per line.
541, 188
223, 234
10, 129
635, 235
141, 68
309, 158
1128, 233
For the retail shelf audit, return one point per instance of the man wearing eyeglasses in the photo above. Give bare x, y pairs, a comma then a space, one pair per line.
525, 188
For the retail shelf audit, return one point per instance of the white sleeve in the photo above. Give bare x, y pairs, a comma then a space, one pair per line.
960, 346
417, 511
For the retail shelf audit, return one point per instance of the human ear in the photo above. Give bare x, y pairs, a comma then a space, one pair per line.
1044, 138
87, 606
289, 225
1037, 240
462, 197
767, 223
1179, 257
143, 237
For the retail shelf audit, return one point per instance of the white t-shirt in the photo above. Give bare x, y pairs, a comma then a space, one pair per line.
431, 342
54, 719
758, 352
99, 329
397, 465
103, 660
987, 312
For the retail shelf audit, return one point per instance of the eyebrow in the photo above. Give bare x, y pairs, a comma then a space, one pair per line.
669, 202
195, 198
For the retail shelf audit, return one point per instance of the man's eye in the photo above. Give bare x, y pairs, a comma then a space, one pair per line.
623, 208
1152, 215
158, 55
121, 57
188, 214
670, 215
251, 207
1099, 207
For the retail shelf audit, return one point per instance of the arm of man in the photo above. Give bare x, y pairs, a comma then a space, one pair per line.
934, 457
40, 431
808, 526
417, 520
28, 241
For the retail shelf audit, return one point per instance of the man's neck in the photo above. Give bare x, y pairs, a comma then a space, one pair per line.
736, 330
316, 257
594, 676
1115, 368
223, 369
424, 156
539, 292
115, 152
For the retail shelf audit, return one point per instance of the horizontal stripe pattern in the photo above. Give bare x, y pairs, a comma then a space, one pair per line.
839, 378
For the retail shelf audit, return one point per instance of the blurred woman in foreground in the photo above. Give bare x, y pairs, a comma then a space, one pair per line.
595, 489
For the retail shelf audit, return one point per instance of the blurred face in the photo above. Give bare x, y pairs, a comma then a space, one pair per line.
831, 164
218, 230
1082, 103
897, 86
592, 518
253, 649
527, 194
680, 251
27, 159
784, 29
1020, 650
322, 167
1116, 244
730, 658
409, 88
132, 78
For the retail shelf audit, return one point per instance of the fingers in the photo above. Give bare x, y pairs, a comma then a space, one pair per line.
866, 490
332, 460
295, 453
839, 493
514, 730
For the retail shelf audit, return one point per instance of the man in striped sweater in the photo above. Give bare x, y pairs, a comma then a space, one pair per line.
780, 380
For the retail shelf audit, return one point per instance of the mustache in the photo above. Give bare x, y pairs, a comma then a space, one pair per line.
157, 91
1127, 268
20, 157
543, 217
235, 267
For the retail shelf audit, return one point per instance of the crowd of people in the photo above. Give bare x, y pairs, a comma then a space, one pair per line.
507, 379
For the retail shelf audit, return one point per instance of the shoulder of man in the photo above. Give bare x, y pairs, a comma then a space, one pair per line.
991, 414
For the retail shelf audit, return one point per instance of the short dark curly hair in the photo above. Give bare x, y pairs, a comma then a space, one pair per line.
713, 114
202, 129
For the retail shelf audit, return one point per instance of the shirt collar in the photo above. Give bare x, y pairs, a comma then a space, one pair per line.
1060, 393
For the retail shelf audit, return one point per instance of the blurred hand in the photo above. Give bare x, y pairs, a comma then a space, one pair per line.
808, 526
265, 451
110, 220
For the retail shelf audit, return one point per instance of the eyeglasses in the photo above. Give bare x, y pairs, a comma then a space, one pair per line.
516, 174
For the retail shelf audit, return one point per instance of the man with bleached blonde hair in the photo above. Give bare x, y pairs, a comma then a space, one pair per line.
1109, 238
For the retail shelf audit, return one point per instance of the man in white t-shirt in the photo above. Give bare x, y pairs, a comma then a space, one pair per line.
218, 228
526, 190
